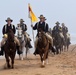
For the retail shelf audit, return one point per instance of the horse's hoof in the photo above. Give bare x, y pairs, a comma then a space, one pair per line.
5, 66
47, 63
12, 68
22, 59
42, 66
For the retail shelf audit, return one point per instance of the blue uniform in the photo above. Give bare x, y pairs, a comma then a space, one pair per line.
41, 26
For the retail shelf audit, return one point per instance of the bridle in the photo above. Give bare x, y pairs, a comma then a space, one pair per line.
43, 35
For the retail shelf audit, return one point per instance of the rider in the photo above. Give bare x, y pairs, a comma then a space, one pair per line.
24, 29
58, 29
5, 31
41, 25
65, 31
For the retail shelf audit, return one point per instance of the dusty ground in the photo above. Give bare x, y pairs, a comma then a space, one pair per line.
63, 64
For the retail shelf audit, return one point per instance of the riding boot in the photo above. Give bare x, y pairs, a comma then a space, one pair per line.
2, 51
63, 40
18, 51
29, 44
53, 49
35, 52
30, 40
69, 41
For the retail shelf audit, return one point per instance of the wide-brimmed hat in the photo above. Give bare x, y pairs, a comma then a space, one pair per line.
63, 24
9, 19
57, 22
41, 16
21, 20
45, 18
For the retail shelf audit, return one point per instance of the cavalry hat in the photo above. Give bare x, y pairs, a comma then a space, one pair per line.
63, 24
9, 19
45, 18
41, 16
57, 22
21, 20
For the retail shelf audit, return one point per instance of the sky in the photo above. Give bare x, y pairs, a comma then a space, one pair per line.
53, 10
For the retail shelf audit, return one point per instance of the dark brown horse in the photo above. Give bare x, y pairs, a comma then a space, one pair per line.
43, 47
66, 42
57, 42
10, 49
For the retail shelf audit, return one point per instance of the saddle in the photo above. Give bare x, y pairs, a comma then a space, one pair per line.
5, 36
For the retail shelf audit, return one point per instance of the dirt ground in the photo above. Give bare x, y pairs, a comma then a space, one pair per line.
62, 64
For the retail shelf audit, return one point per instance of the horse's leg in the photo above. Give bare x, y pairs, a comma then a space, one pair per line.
41, 57
47, 58
21, 55
7, 60
67, 47
57, 51
60, 50
42, 61
64, 47
12, 62
27, 51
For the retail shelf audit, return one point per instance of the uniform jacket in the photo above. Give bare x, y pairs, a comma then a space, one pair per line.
57, 29
23, 26
6, 28
41, 26
64, 30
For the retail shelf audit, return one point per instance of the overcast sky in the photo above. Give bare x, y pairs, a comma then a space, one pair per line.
53, 10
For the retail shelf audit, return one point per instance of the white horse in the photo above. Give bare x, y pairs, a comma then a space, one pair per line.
22, 39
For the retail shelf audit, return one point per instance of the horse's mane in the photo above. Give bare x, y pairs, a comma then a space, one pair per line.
10, 35
44, 40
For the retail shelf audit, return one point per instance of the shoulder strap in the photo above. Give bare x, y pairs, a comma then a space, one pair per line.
45, 25
5, 27
24, 26
12, 25
37, 24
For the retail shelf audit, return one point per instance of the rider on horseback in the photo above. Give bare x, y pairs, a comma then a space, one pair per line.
65, 32
58, 29
24, 29
41, 25
5, 31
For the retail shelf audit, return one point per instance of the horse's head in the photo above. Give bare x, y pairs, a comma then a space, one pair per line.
19, 32
10, 35
41, 36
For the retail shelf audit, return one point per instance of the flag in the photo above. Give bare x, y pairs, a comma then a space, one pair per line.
31, 14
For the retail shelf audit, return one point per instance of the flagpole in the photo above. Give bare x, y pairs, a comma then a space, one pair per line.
32, 19
32, 30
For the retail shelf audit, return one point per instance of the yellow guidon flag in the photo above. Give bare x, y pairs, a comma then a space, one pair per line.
31, 14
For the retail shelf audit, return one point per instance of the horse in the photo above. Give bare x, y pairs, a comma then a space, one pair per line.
66, 42
23, 42
10, 49
43, 47
58, 42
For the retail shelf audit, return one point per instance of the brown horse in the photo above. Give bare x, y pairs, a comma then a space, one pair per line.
10, 49
43, 47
